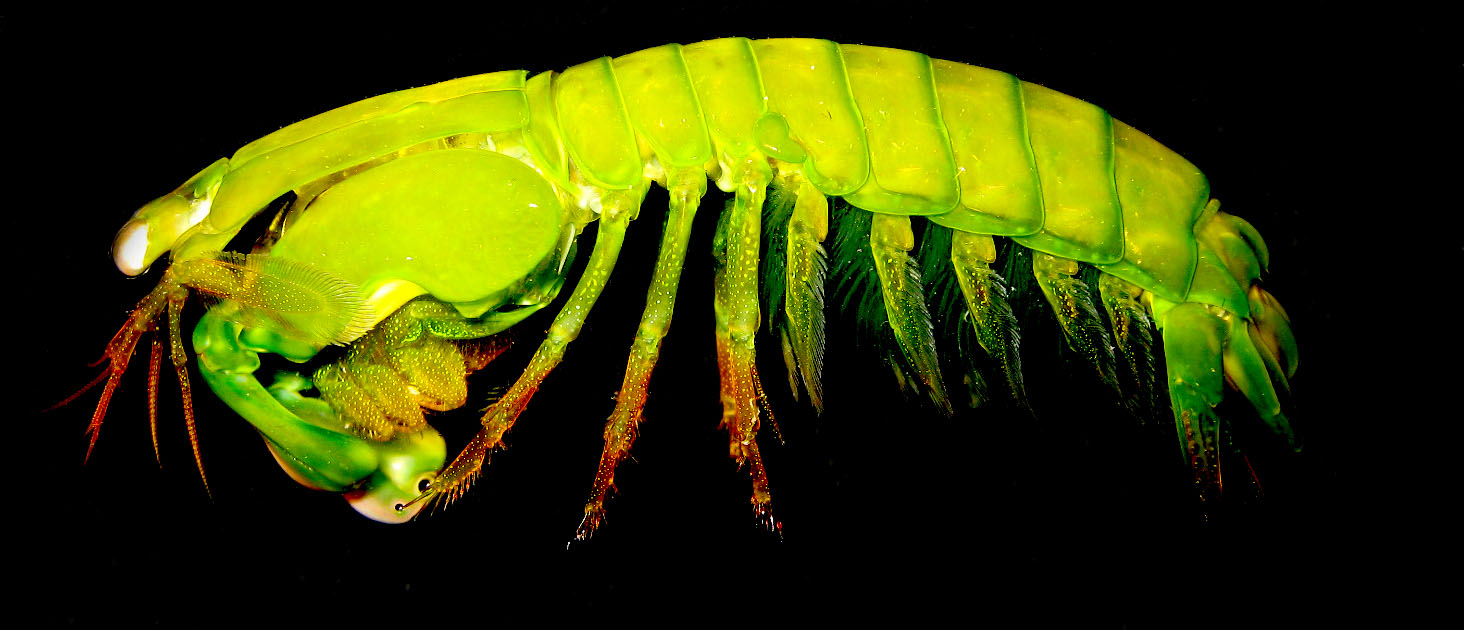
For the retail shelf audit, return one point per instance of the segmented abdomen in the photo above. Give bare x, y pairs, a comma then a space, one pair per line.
893, 132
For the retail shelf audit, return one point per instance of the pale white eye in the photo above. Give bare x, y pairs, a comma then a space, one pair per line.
129, 251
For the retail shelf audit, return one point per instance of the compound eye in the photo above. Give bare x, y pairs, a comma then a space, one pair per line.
129, 250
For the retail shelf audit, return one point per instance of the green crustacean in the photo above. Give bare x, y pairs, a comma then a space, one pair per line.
413, 227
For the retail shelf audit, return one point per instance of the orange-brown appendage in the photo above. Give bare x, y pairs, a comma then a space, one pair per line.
169, 296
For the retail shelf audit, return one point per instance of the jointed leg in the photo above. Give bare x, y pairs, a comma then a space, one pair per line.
459, 475
180, 365
737, 313
687, 188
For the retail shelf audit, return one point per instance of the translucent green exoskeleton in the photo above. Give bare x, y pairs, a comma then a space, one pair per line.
413, 227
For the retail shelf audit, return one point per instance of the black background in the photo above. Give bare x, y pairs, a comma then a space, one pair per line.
1293, 115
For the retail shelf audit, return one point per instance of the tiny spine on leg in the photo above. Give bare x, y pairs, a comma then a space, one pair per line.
687, 187
458, 477
176, 298
737, 313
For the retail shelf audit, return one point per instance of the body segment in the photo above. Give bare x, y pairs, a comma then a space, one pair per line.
447, 213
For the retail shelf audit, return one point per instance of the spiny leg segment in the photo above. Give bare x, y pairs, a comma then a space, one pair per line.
179, 357
686, 189
168, 297
737, 313
262, 287
154, 373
